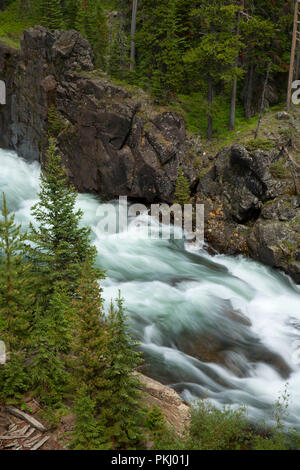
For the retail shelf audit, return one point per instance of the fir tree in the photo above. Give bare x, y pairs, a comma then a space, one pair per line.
60, 244
89, 358
51, 15
90, 21
159, 47
51, 341
87, 432
59, 248
16, 303
90, 337
182, 192
214, 56
122, 415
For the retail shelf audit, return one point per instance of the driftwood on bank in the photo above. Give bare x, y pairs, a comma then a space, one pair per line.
29, 419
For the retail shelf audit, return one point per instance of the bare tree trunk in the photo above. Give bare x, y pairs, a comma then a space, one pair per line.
133, 30
263, 100
210, 99
249, 92
234, 86
297, 65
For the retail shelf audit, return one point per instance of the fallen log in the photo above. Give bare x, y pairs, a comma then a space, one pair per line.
20, 414
40, 443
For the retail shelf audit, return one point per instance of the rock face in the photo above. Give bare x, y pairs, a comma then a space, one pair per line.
112, 141
252, 207
115, 142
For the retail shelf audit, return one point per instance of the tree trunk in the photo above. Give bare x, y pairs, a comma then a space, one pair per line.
210, 99
262, 106
133, 30
249, 92
297, 66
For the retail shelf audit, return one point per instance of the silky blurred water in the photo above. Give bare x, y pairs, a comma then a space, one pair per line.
220, 328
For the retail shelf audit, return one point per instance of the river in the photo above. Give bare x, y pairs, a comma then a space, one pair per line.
221, 328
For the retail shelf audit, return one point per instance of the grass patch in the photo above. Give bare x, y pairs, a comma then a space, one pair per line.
279, 170
259, 144
12, 24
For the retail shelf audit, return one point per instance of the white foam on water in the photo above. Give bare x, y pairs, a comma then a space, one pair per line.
173, 293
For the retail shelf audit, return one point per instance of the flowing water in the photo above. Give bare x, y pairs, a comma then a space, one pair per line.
222, 328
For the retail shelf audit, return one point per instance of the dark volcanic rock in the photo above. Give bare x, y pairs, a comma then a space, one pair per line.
112, 142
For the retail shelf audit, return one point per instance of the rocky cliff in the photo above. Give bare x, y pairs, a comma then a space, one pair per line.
113, 141
253, 206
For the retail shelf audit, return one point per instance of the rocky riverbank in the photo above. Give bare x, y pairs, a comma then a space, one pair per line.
115, 141
253, 207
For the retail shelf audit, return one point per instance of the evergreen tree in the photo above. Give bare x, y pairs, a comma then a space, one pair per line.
122, 415
89, 359
182, 192
159, 47
214, 56
50, 13
90, 20
50, 342
60, 245
90, 336
87, 432
16, 302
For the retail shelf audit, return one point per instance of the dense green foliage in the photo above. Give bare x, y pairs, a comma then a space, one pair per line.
52, 321
182, 192
211, 51
200, 56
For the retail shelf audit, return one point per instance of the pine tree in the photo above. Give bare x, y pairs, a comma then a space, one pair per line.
50, 13
91, 22
182, 192
87, 432
51, 341
16, 302
90, 336
88, 348
214, 56
122, 415
60, 244
159, 47
59, 248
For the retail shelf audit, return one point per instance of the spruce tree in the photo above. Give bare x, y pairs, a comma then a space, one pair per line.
50, 342
159, 48
90, 336
16, 303
122, 415
182, 192
87, 432
214, 55
89, 358
51, 16
60, 245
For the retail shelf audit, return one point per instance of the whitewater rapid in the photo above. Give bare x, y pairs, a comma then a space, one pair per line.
246, 315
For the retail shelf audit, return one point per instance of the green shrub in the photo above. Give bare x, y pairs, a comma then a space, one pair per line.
214, 429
